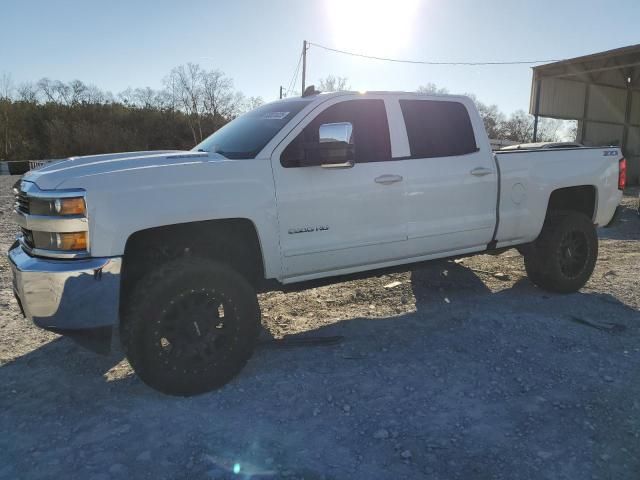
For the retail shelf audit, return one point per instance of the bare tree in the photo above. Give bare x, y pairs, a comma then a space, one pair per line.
76, 91
237, 108
6, 94
28, 92
550, 130
170, 92
333, 84
94, 95
218, 97
45, 86
165, 100
56, 91
6, 87
570, 130
144, 97
63, 92
252, 103
127, 97
432, 89
519, 127
492, 118
186, 81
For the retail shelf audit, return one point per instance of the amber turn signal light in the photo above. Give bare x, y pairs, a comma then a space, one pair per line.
70, 241
70, 206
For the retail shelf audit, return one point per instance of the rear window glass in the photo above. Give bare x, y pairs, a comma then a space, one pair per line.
438, 128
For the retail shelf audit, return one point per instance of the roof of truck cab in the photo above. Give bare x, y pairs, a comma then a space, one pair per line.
322, 97
325, 95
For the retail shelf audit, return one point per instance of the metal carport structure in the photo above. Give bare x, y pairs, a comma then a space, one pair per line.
602, 92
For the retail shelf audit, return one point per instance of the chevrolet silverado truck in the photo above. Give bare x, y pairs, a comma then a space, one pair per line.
170, 247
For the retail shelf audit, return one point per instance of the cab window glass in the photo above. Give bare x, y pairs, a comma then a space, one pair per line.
370, 132
438, 128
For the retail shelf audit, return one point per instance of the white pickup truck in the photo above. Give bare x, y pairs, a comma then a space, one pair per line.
171, 246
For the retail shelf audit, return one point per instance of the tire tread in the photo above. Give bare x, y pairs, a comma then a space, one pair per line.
162, 278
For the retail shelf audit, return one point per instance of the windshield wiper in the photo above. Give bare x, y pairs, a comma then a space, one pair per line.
220, 152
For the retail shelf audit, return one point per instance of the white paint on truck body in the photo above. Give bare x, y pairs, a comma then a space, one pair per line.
316, 222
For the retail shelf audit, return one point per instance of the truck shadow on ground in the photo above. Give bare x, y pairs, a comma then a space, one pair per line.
625, 227
443, 291
453, 383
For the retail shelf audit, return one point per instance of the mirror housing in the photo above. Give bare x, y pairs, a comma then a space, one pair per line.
335, 148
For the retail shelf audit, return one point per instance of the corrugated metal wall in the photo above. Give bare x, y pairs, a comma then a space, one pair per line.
601, 112
561, 99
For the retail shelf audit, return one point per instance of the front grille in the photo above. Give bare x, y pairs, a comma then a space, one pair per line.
27, 237
22, 201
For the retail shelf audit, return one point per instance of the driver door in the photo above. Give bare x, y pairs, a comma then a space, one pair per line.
339, 211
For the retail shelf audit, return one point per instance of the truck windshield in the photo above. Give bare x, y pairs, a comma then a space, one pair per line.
245, 136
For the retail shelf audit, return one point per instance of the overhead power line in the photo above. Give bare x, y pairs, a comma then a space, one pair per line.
292, 83
424, 62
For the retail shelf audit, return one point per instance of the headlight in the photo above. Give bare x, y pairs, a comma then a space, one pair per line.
75, 241
57, 206
54, 223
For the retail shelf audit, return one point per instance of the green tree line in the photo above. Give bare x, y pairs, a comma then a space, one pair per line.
54, 119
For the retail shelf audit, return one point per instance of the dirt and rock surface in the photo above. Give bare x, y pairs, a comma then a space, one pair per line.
457, 369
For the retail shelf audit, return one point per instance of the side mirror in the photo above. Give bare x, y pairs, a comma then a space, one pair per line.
336, 132
335, 148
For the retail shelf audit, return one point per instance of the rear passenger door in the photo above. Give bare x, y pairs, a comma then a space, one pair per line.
451, 179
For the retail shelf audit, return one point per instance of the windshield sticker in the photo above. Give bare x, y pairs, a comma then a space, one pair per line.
275, 115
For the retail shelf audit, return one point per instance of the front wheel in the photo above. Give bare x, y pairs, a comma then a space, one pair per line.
190, 326
563, 257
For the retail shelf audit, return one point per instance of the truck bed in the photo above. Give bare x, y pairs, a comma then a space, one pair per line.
528, 177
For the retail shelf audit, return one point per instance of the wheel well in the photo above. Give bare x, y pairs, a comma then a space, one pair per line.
578, 199
232, 241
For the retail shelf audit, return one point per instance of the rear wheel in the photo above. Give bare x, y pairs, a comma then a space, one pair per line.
191, 326
563, 257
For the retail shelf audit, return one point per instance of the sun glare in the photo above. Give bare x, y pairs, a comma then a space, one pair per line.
374, 27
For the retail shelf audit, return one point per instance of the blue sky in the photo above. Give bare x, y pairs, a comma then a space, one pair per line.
119, 44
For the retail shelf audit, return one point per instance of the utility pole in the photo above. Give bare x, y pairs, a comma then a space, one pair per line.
280, 92
304, 64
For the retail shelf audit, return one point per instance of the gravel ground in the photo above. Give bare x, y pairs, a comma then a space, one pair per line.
458, 369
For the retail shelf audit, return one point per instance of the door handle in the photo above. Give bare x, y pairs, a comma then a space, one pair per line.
481, 171
388, 179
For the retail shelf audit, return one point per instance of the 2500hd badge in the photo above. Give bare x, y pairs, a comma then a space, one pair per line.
319, 228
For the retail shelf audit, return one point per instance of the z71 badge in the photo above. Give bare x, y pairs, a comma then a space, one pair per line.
319, 228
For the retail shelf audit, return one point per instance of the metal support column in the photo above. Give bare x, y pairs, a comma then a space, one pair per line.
585, 114
537, 110
627, 111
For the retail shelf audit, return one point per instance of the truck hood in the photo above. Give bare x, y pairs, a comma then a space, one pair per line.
52, 175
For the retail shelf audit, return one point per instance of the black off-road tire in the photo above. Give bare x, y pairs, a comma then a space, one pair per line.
190, 326
563, 257
533, 269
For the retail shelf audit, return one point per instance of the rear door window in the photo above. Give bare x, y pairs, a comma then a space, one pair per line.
438, 128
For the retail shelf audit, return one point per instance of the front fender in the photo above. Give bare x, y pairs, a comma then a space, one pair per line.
124, 202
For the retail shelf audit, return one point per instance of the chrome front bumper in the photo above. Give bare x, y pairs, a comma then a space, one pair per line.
66, 294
